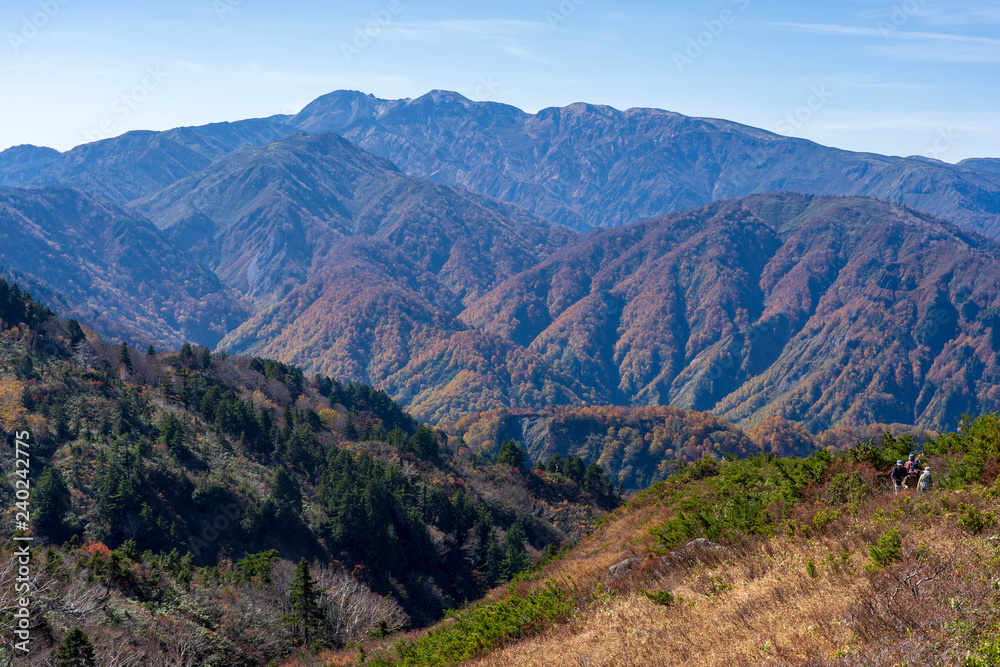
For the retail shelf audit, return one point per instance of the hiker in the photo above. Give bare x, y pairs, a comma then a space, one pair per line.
897, 476
912, 467
925, 480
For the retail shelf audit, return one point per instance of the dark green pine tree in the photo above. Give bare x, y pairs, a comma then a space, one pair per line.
287, 494
124, 357
493, 560
186, 354
51, 501
304, 598
150, 351
516, 559
76, 650
424, 443
172, 433
512, 454
75, 333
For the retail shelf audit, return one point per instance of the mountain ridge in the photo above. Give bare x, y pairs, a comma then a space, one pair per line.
590, 166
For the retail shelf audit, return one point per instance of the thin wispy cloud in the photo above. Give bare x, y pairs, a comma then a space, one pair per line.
955, 53
523, 53
961, 15
447, 30
876, 83
908, 45
855, 31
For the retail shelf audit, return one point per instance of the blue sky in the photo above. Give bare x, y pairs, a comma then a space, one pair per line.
901, 78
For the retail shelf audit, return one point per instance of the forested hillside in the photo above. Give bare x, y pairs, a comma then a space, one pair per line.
173, 494
637, 447
108, 266
830, 312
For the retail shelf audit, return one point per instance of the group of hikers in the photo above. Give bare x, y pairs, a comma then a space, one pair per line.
911, 474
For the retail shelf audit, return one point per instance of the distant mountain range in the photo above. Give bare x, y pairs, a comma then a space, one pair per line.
442, 249
110, 268
135, 164
591, 166
583, 166
265, 218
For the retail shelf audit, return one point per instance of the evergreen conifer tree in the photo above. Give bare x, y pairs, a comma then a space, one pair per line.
124, 357
51, 501
516, 559
286, 493
304, 598
76, 650
75, 333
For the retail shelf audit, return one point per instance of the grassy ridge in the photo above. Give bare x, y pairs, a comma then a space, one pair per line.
822, 565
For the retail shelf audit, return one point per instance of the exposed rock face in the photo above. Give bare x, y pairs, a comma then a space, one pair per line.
624, 568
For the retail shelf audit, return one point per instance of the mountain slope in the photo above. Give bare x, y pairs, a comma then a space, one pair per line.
183, 488
588, 166
266, 218
111, 269
989, 165
793, 561
820, 310
137, 163
831, 312
374, 314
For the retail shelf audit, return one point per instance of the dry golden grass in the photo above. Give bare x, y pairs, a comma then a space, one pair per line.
761, 605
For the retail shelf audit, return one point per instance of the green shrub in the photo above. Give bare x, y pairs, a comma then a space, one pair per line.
848, 489
888, 549
974, 521
662, 597
987, 655
824, 518
482, 628
811, 568
702, 468
681, 528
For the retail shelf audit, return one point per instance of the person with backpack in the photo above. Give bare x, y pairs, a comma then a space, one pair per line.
912, 467
897, 476
925, 480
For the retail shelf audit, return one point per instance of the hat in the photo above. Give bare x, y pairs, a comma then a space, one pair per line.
911, 457
899, 463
